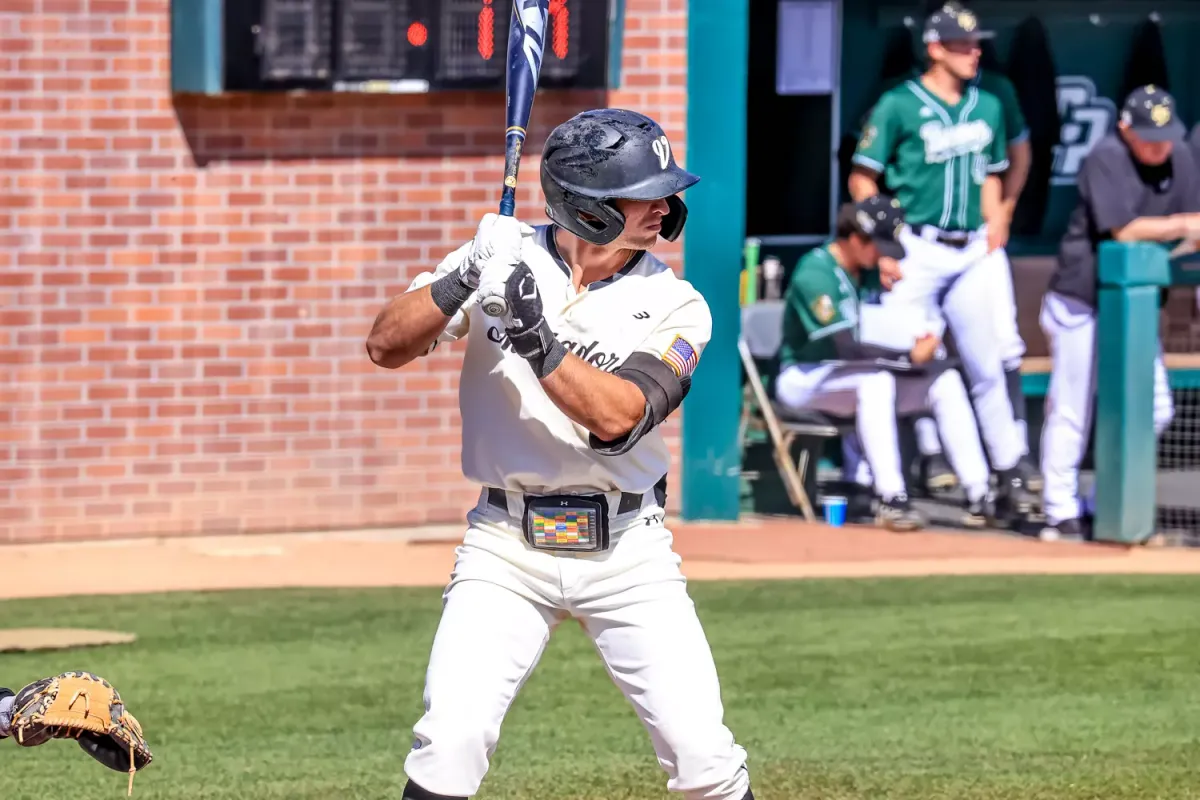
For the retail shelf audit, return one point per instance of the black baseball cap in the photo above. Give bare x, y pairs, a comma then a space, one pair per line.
1150, 112
951, 22
882, 218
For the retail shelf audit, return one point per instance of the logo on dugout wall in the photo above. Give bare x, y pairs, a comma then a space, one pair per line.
1086, 117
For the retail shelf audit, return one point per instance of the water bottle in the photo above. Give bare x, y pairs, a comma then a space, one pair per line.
772, 270
750, 273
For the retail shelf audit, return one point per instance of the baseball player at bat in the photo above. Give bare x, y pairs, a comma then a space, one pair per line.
940, 144
824, 366
562, 401
1140, 183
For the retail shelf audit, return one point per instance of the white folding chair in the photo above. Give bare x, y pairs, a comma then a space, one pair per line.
760, 339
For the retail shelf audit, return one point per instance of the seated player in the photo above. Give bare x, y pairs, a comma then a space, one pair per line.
1137, 184
826, 368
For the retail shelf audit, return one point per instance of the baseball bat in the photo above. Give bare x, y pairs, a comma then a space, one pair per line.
526, 43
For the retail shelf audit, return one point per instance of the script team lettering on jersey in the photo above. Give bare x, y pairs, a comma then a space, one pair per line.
943, 144
597, 358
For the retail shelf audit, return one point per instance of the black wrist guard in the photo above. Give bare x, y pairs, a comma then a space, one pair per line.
449, 293
540, 347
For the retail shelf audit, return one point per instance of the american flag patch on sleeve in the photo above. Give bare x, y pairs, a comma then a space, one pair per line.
681, 357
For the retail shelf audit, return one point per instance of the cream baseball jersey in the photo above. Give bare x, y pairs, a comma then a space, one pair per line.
513, 436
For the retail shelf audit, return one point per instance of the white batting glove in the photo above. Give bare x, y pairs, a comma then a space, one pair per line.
6, 708
497, 239
493, 282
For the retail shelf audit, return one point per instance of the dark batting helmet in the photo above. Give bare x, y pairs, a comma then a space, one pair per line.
610, 154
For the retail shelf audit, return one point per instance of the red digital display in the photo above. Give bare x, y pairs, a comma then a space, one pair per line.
470, 37
560, 29
418, 34
487, 30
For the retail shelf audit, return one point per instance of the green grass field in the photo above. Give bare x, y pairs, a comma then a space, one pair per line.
933, 688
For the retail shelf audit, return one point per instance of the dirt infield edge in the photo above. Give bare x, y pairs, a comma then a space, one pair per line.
753, 549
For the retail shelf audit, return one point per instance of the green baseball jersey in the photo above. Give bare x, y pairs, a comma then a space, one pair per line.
995, 83
935, 156
821, 299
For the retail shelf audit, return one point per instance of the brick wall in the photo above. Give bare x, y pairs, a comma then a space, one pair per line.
186, 283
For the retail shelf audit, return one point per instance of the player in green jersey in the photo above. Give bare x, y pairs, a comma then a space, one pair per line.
1003, 306
826, 366
941, 146
936, 471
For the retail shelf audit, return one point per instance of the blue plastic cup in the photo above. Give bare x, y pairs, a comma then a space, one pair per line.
835, 511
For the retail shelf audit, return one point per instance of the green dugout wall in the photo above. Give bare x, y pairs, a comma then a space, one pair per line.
1090, 44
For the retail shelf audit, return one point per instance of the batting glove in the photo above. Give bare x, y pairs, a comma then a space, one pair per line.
6, 708
498, 239
524, 322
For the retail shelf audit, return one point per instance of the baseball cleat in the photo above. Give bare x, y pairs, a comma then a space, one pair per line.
939, 477
897, 514
1013, 496
975, 513
1069, 530
1030, 475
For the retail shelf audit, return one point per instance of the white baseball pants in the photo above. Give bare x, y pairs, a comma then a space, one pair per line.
874, 397
503, 602
1001, 304
959, 283
1070, 328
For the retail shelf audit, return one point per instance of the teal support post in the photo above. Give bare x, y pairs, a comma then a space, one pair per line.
1130, 277
197, 46
718, 46
616, 42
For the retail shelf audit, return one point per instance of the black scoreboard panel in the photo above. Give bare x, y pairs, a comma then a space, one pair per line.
292, 44
372, 40
277, 45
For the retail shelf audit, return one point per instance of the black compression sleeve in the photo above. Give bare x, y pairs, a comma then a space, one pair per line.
449, 293
664, 391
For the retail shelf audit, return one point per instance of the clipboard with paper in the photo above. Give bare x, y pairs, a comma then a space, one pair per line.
897, 328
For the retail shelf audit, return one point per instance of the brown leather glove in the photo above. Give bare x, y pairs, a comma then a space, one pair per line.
82, 706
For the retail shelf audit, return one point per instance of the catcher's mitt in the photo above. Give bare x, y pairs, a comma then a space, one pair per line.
85, 707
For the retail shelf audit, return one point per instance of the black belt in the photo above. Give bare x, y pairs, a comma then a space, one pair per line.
630, 501
955, 239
